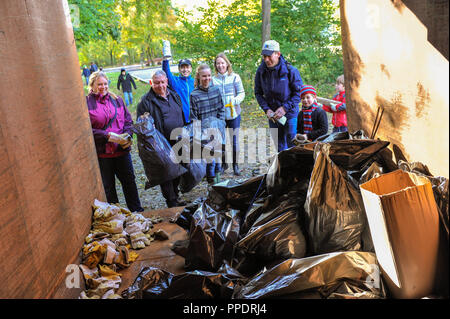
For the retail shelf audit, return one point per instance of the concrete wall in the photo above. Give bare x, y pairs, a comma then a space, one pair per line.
389, 62
49, 174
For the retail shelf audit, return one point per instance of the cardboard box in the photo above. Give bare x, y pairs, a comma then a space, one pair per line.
404, 224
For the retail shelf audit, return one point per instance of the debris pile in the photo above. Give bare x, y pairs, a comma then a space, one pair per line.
116, 233
302, 231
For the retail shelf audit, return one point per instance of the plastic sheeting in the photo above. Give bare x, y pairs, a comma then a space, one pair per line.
154, 283
275, 232
196, 170
159, 160
334, 208
334, 275
212, 236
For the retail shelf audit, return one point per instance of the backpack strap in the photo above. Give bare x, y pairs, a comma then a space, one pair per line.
114, 102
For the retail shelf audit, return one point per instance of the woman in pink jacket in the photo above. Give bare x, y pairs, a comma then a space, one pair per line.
111, 126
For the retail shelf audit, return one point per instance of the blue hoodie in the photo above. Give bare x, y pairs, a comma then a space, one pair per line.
182, 85
278, 86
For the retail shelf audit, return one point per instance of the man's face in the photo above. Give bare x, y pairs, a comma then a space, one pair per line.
308, 99
123, 72
160, 85
205, 77
185, 70
272, 60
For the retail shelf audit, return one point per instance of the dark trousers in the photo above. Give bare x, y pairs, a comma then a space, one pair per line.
122, 167
235, 124
286, 133
170, 191
340, 129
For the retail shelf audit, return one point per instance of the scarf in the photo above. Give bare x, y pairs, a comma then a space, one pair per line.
307, 120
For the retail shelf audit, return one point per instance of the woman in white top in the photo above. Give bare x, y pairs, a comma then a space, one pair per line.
233, 94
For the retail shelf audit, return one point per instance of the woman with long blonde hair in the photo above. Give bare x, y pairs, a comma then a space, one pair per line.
233, 94
111, 126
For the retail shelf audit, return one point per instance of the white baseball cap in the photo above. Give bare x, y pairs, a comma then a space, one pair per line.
269, 47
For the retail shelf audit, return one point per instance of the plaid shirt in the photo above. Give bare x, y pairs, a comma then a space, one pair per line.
207, 103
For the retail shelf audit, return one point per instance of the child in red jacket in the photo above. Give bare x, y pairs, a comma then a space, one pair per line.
339, 119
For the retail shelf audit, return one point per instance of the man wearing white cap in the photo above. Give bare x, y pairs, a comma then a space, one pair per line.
277, 90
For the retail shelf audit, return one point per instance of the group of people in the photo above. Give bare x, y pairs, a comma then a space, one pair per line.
175, 101
88, 71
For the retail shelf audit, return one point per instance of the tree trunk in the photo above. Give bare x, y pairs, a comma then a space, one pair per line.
265, 20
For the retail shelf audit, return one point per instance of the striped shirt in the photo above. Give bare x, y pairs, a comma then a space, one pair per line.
232, 92
207, 103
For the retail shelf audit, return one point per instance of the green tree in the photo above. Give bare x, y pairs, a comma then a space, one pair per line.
97, 20
144, 25
308, 32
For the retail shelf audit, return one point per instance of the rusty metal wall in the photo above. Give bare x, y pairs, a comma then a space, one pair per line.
49, 174
389, 62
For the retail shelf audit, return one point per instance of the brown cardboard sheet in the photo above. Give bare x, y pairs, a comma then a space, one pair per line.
404, 224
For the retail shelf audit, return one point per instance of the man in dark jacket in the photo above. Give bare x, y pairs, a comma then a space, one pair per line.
86, 74
125, 80
277, 90
166, 108
93, 67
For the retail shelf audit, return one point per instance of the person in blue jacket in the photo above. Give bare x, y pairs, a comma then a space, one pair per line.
277, 90
86, 74
182, 84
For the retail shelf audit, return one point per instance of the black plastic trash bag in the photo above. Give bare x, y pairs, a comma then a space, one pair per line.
276, 232
289, 167
154, 283
211, 238
196, 170
237, 194
159, 160
335, 216
335, 275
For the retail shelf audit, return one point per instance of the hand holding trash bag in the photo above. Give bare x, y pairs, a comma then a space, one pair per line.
159, 160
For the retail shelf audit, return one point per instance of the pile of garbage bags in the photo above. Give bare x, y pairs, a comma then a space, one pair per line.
298, 231
115, 234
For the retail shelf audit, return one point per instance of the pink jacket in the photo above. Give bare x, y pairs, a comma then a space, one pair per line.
101, 110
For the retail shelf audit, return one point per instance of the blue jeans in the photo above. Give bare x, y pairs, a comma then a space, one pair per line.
340, 129
128, 98
122, 167
286, 133
212, 167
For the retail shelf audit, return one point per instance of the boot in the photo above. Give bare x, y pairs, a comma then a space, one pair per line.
236, 169
224, 167
211, 180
